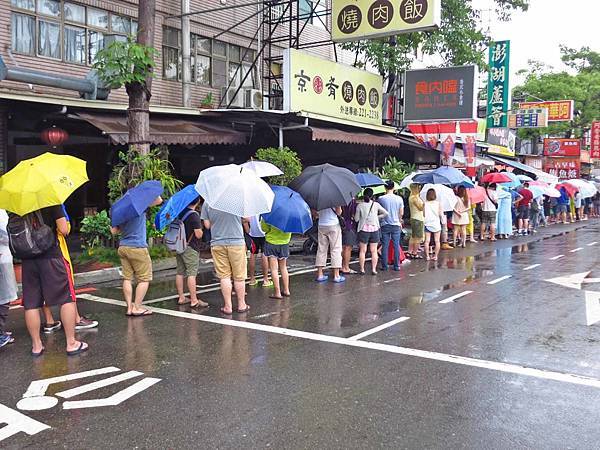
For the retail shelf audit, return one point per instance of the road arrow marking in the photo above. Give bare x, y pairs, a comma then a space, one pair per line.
99, 384
571, 281
38, 388
592, 307
18, 423
115, 399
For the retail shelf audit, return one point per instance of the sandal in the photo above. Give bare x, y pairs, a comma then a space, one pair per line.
275, 297
253, 283
322, 279
245, 310
145, 312
226, 312
199, 305
38, 354
83, 347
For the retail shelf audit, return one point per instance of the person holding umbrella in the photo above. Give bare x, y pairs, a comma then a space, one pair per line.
128, 216
433, 223
277, 250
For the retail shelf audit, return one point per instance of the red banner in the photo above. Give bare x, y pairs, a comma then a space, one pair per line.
562, 147
426, 133
468, 133
448, 139
559, 111
563, 168
595, 141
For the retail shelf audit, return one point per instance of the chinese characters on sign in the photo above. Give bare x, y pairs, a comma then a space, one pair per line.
560, 111
312, 84
502, 141
595, 141
440, 94
498, 95
563, 168
562, 147
360, 19
528, 118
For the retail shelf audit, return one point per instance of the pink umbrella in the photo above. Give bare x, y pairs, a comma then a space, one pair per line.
476, 194
538, 183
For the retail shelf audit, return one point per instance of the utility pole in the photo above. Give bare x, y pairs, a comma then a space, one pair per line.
186, 60
138, 112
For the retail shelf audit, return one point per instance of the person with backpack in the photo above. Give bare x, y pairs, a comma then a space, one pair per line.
8, 284
46, 273
189, 226
135, 261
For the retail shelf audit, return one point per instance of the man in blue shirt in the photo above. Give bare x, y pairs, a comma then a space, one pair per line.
563, 205
391, 225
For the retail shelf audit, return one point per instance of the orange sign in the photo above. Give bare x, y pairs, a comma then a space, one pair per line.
559, 111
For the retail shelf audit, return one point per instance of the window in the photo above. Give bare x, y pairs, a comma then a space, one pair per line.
64, 30
202, 70
171, 57
305, 9
219, 73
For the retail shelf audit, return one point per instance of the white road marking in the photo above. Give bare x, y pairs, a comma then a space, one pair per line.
115, 399
533, 266
392, 280
99, 384
578, 249
435, 356
554, 258
379, 328
591, 280
18, 423
592, 243
454, 297
573, 281
498, 280
38, 388
592, 307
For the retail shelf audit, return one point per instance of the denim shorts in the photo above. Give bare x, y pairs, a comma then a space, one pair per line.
369, 237
277, 251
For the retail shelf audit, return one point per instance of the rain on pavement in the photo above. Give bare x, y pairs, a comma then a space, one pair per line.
476, 350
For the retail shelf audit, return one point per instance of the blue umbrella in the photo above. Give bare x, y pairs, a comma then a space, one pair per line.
368, 180
455, 176
135, 202
290, 213
515, 183
173, 207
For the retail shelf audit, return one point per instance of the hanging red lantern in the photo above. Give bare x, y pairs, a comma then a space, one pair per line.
54, 136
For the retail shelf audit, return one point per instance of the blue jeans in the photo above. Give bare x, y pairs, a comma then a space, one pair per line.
393, 233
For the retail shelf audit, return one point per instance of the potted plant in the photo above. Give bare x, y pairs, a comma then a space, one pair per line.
207, 101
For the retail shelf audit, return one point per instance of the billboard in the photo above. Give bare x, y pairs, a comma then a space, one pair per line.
353, 20
440, 94
595, 141
559, 111
528, 118
562, 147
325, 87
498, 95
563, 168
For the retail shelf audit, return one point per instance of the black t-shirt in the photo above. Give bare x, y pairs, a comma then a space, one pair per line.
50, 216
191, 223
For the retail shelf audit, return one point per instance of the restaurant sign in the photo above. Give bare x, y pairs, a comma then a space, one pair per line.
562, 147
353, 20
595, 141
502, 142
440, 94
563, 168
320, 86
528, 118
559, 111
498, 94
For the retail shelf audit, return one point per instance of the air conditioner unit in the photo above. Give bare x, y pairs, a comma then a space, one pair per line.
230, 99
253, 99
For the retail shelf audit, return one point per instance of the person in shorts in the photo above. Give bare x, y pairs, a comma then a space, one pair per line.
47, 281
188, 262
8, 283
228, 249
524, 210
277, 249
256, 245
562, 206
135, 262
417, 219
349, 236
367, 216
489, 210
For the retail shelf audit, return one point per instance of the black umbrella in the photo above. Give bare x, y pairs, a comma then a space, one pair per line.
326, 186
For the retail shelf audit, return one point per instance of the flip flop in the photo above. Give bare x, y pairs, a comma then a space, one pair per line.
79, 350
287, 295
339, 280
198, 305
225, 312
145, 312
38, 354
275, 297
268, 284
322, 279
245, 310
184, 303
253, 283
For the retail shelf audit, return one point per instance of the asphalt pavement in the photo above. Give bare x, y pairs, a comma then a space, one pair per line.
493, 346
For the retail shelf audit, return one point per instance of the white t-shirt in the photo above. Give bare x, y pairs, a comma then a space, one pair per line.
328, 218
433, 219
255, 229
487, 203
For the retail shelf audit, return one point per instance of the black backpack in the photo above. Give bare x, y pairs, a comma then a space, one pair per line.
29, 236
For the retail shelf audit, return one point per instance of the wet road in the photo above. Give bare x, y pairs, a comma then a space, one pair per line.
476, 350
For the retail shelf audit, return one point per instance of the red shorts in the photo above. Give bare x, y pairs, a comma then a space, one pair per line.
47, 281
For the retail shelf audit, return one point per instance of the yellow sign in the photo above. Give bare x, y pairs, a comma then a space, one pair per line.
359, 19
500, 150
317, 85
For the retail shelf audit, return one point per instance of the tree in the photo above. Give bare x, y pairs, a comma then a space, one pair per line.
285, 159
459, 40
542, 82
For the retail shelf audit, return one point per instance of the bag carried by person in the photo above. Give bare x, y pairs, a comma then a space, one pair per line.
341, 219
28, 235
535, 206
175, 238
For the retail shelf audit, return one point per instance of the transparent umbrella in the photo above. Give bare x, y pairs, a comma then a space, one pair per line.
444, 195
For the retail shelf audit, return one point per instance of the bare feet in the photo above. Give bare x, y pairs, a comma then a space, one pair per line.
183, 301
199, 304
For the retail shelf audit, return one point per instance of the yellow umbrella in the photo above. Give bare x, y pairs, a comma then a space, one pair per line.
46, 180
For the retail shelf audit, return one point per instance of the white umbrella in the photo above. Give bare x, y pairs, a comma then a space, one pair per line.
409, 179
262, 168
586, 188
235, 190
524, 178
444, 195
551, 192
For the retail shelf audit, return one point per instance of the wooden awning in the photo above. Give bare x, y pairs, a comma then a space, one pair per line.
354, 137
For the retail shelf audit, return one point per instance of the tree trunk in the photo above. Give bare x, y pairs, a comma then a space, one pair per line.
138, 113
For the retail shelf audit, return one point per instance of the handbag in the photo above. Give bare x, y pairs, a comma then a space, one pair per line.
341, 219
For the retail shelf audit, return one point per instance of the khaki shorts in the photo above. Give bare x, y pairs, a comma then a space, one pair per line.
188, 262
136, 262
230, 261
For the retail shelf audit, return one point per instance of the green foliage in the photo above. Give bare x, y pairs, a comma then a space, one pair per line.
582, 60
395, 170
124, 63
584, 87
110, 256
285, 159
459, 40
207, 101
94, 229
